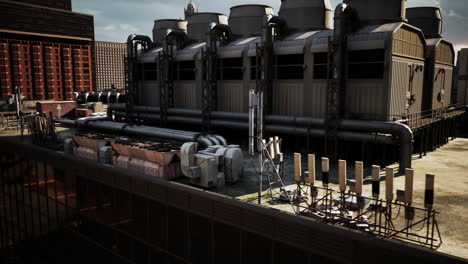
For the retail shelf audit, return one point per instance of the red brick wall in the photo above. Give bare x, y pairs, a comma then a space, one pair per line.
45, 70
68, 108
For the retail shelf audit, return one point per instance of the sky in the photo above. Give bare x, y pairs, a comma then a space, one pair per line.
116, 19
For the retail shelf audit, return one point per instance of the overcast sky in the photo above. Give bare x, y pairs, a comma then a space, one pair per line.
116, 19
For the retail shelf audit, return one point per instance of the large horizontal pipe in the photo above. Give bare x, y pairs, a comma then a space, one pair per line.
274, 119
146, 131
302, 126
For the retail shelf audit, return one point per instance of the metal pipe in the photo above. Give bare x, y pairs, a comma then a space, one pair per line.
397, 130
278, 123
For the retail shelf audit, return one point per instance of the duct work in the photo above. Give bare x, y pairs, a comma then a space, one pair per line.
133, 42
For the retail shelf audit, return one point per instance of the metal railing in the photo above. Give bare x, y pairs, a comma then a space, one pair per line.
139, 219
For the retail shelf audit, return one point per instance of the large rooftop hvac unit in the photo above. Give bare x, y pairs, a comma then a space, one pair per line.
307, 15
246, 20
428, 19
379, 12
440, 57
163, 25
197, 27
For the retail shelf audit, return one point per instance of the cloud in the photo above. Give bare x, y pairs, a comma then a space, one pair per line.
116, 19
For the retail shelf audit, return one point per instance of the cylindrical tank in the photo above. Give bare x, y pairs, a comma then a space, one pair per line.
428, 19
247, 20
162, 25
379, 12
307, 15
198, 24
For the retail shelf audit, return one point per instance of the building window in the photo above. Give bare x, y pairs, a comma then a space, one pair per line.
366, 64
321, 66
289, 67
232, 69
150, 71
185, 71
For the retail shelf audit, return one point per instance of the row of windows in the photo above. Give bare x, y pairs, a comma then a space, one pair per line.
366, 64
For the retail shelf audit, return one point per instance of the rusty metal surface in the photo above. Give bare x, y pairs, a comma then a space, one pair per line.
139, 218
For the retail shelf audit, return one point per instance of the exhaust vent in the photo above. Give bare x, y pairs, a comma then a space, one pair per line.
161, 26
379, 12
198, 24
428, 19
247, 20
307, 15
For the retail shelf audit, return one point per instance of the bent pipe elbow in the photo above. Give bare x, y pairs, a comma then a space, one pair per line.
204, 141
220, 29
221, 139
279, 23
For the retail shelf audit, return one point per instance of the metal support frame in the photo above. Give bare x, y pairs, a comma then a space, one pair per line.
379, 217
166, 82
210, 84
336, 93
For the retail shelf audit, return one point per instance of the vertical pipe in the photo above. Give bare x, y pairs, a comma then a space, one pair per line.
260, 145
389, 175
342, 175
251, 122
359, 177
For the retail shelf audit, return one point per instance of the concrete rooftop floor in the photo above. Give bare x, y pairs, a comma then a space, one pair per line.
449, 164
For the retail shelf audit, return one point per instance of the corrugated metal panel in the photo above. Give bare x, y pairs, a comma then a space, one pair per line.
288, 98
315, 98
231, 96
149, 95
418, 87
185, 95
365, 99
398, 88
441, 82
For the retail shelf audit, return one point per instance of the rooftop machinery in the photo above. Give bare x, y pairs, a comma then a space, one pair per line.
440, 57
359, 82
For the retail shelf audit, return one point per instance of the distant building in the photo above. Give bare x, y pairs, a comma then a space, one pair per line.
462, 83
59, 4
45, 49
110, 65
190, 10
